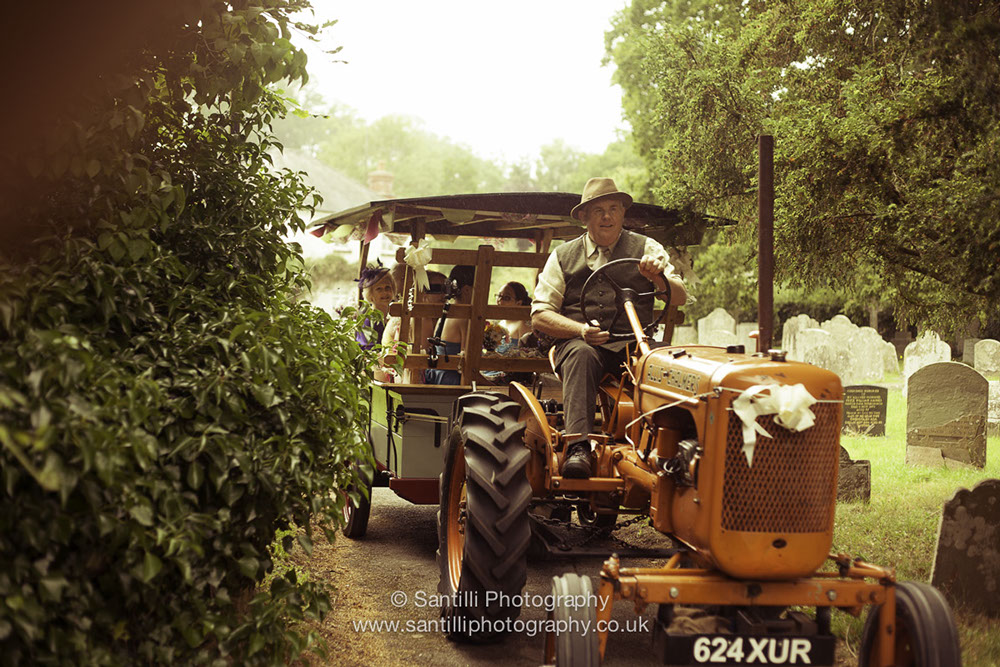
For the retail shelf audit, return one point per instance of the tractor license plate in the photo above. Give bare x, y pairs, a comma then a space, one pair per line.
750, 650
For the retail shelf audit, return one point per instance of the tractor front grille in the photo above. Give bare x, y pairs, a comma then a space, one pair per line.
791, 487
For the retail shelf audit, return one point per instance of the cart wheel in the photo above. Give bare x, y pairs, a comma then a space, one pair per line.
356, 516
483, 524
925, 634
576, 644
586, 515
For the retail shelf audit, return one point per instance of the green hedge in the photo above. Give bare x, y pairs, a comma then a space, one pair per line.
155, 436
165, 404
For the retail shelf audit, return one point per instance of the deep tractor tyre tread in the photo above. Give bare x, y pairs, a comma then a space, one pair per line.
573, 647
497, 526
925, 617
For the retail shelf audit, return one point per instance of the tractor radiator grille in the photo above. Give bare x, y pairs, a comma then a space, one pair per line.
792, 484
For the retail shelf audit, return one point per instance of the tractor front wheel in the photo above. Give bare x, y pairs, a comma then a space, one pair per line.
924, 634
483, 524
575, 620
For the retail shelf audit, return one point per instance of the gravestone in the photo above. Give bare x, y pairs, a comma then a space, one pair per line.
946, 410
993, 411
685, 336
969, 351
790, 332
717, 320
864, 409
987, 359
718, 337
890, 359
854, 481
967, 561
866, 351
927, 349
743, 331
818, 347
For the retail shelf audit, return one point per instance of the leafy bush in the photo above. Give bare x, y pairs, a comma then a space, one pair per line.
165, 406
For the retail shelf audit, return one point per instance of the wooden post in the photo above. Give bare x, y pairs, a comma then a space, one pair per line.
765, 242
473, 349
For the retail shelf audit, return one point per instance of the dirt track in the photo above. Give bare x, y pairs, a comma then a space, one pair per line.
398, 555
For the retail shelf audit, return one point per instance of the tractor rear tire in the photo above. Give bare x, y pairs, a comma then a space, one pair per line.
925, 631
483, 523
576, 645
356, 516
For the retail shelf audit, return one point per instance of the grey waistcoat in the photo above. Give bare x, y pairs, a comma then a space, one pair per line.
573, 262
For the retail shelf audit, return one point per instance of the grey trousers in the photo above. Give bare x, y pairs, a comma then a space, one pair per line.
581, 367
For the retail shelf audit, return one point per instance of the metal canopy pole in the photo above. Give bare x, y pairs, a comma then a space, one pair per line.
765, 242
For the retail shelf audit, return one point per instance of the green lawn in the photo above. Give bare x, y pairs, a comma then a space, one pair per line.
899, 526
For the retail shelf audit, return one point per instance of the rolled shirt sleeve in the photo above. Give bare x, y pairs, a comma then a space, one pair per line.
550, 288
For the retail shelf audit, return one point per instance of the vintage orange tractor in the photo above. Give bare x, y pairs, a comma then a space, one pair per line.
734, 455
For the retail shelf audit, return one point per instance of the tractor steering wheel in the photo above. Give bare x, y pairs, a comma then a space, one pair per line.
622, 295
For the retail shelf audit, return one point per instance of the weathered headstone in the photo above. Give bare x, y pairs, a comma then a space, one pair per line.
993, 411
790, 332
718, 337
969, 351
864, 409
967, 561
717, 320
987, 356
743, 331
865, 351
890, 359
927, 349
854, 482
946, 410
685, 336
818, 347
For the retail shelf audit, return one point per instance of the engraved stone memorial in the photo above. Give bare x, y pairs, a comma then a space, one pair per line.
864, 410
946, 410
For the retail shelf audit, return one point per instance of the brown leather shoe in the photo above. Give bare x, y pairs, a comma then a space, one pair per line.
576, 465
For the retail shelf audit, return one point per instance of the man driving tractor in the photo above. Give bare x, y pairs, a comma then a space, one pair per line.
584, 351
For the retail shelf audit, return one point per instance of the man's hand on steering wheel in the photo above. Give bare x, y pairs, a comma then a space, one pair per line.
652, 267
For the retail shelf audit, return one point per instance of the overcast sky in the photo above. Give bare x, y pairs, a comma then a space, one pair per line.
503, 78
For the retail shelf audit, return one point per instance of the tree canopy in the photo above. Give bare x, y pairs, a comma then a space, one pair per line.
887, 120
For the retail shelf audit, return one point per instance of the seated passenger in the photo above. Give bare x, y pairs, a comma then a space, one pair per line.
453, 330
514, 294
377, 289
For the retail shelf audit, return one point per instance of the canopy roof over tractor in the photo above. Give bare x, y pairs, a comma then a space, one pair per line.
528, 215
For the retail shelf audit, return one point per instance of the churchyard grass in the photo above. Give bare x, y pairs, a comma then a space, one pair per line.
899, 526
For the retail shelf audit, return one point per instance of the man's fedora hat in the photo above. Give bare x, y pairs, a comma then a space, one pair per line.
598, 188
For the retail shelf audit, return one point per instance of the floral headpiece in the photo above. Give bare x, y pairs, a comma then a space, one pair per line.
371, 274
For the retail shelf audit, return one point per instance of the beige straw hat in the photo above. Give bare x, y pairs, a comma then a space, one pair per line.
596, 188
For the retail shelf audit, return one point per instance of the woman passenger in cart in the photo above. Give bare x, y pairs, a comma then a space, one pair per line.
454, 330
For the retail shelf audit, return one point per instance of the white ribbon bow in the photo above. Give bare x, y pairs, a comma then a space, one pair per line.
790, 404
417, 257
